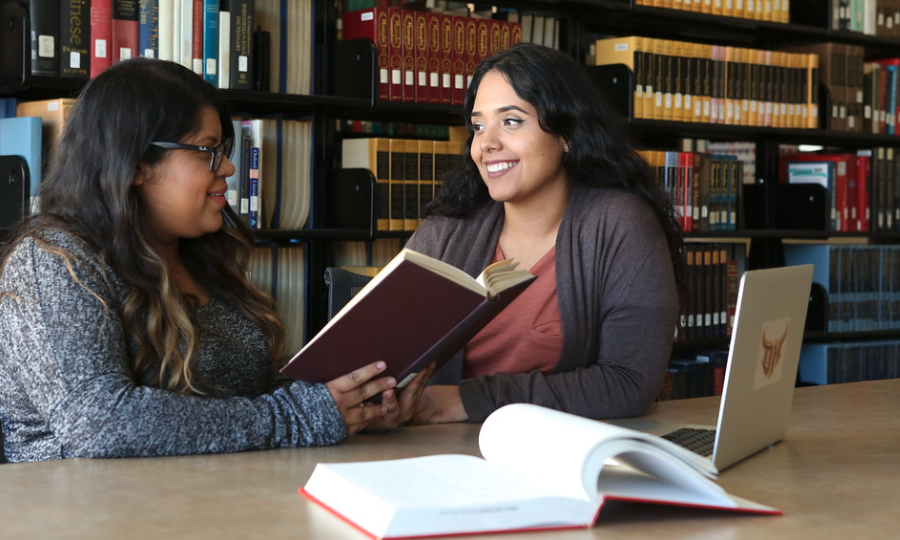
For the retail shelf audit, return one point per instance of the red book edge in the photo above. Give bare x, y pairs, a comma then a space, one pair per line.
740, 510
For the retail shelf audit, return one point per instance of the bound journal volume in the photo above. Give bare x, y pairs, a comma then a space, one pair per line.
542, 469
416, 310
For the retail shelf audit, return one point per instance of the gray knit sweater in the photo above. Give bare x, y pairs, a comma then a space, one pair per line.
66, 390
617, 299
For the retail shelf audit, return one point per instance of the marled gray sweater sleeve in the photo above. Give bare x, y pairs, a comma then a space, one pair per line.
66, 391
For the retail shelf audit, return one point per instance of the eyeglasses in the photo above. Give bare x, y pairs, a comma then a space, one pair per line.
218, 151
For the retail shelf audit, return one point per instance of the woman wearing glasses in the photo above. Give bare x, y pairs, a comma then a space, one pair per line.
128, 326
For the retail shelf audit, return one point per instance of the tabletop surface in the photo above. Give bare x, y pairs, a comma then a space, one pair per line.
836, 474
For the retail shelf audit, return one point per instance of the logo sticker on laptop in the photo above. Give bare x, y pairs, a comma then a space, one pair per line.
773, 339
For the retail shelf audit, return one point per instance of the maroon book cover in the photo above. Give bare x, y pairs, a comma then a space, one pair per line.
407, 316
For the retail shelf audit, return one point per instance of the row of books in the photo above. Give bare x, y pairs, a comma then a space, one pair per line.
879, 18
270, 187
862, 190
365, 256
841, 71
705, 188
862, 283
881, 105
407, 172
231, 43
280, 270
713, 272
699, 82
427, 56
761, 10
693, 374
843, 362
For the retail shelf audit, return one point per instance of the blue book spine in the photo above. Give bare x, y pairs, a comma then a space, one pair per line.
253, 214
21, 136
148, 28
211, 41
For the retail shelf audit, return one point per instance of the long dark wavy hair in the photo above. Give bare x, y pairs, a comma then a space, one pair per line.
88, 192
601, 153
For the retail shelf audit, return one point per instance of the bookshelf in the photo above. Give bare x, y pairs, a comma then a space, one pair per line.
343, 86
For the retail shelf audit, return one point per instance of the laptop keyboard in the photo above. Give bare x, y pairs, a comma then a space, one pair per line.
697, 440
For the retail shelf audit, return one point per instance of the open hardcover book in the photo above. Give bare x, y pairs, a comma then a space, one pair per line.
542, 469
414, 311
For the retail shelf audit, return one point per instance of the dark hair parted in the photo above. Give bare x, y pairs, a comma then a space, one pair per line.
88, 192
568, 103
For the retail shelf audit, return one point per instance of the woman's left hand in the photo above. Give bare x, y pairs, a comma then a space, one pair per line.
399, 411
440, 404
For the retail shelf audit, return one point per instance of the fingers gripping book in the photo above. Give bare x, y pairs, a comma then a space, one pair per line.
541, 469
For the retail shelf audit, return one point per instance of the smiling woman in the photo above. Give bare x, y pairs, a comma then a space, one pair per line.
128, 326
550, 179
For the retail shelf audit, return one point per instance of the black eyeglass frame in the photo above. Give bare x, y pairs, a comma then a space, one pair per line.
218, 151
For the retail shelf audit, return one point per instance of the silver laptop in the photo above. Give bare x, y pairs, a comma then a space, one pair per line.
762, 366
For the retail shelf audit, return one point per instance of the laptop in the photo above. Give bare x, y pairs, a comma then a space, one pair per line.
762, 367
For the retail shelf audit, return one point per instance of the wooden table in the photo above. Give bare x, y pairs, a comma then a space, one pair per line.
837, 475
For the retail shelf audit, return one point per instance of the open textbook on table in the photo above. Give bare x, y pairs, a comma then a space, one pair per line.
542, 469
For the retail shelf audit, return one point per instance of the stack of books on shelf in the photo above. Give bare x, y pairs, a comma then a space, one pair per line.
762, 10
407, 173
697, 82
861, 191
427, 56
372, 254
862, 283
280, 271
270, 187
831, 363
713, 272
840, 71
705, 188
871, 17
880, 88
231, 43
695, 373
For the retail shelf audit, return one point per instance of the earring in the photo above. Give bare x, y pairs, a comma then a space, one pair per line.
566, 148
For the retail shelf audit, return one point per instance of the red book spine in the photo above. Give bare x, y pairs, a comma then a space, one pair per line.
446, 58
482, 42
850, 222
471, 51
371, 24
495, 31
515, 34
459, 61
395, 54
197, 38
101, 35
124, 30
864, 197
434, 56
408, 54
421, 56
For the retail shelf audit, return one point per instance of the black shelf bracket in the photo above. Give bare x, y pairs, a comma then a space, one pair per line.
15, 46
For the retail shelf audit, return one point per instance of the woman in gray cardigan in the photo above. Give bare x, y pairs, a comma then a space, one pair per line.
549, 178
128, 325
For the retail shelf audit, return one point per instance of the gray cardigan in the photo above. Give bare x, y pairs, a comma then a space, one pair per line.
617, 300
66, 390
